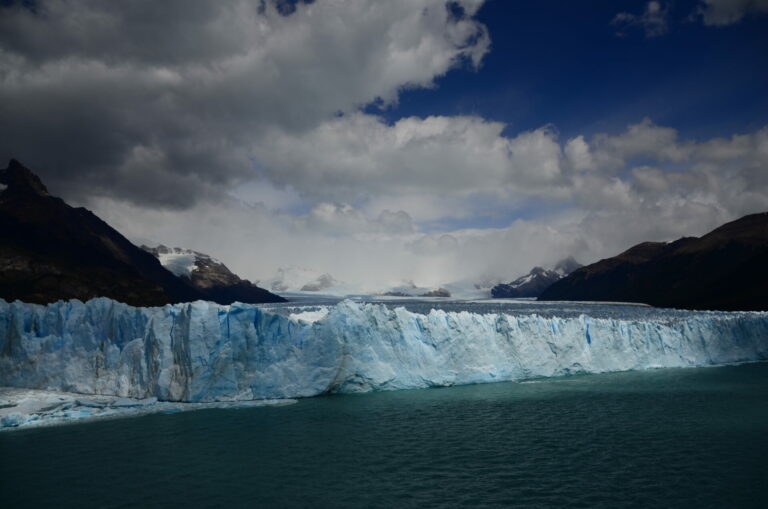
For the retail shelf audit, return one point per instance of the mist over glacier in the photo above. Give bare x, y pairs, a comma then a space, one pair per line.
202, 352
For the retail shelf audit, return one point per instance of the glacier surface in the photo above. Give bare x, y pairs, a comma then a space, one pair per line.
204, 352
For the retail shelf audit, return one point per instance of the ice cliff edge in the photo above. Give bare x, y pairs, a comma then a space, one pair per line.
202, 351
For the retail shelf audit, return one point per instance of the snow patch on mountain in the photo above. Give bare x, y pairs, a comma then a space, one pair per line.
181, 262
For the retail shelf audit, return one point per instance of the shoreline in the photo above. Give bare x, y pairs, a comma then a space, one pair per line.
36, 408
22, 408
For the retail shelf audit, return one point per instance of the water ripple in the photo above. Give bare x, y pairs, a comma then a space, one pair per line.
667, 438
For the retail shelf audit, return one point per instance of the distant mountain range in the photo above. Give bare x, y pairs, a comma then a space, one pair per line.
51, 251
535, 282
411, 290
299, 279
726, 269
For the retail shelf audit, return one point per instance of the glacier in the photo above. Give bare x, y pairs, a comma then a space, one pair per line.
204, 352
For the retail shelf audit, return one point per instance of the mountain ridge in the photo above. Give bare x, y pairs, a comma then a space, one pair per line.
52, 251
725, 269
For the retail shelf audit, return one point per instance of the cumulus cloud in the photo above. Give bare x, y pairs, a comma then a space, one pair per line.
111, 98
654, 20
414, 162
452, 166
361, 152
728, 12
688, 188
344, 220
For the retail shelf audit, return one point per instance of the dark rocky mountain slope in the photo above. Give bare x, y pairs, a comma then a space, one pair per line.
51, 251
726, 269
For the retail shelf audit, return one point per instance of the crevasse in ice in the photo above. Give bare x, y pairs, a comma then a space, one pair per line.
202, 351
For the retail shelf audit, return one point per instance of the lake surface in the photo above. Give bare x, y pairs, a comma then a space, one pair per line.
662, 438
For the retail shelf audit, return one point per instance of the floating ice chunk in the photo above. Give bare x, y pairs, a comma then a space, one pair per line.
12, 420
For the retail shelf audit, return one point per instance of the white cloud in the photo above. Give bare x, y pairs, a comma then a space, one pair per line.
359, 155
578, 154
728, 12
344, 220
255, 242
641, 140
414, 163
654, 20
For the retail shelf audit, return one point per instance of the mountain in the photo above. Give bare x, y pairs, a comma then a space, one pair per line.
438, 292
409, 289
51, 251
726, 269
210, 276
322, 282
299, 279
535, 282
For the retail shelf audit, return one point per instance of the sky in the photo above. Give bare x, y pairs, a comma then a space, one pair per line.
389, 141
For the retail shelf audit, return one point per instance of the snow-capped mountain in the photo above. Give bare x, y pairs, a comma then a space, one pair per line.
209, 275
188, 263
536, 281
182, 262
322, 282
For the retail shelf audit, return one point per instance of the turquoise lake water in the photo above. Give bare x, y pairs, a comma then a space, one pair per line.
661, 438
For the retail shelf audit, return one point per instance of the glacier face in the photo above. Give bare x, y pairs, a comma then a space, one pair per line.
202, 352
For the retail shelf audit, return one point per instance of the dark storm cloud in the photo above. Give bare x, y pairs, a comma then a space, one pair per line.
162, 103
161, 33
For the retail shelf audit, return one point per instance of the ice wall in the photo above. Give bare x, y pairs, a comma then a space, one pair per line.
206, 352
